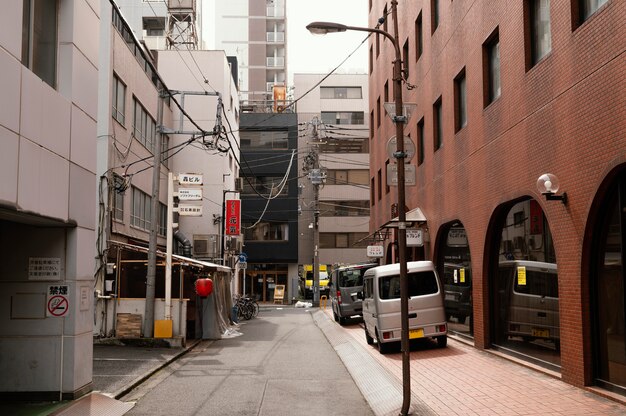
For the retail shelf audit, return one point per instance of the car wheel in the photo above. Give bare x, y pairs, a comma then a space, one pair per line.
442, 341
335, 316
368, 337
342, 320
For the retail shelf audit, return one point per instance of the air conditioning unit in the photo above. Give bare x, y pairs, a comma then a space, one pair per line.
206, 245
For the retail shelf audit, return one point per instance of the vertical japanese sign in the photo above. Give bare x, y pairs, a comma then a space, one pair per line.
233, 217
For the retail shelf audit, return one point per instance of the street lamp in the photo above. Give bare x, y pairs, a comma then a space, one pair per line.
399, 119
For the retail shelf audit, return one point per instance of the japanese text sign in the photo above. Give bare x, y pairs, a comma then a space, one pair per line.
233, 217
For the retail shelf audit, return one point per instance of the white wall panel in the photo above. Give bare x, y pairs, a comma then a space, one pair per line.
10, 68
8, 165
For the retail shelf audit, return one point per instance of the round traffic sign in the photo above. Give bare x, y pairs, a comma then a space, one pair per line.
409, 147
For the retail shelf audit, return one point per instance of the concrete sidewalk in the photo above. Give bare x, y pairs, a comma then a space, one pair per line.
463, 380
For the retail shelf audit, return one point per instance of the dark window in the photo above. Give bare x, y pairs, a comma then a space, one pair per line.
419, 36
378, 112
437, 124
343, 117
386, 92
460, 101
491, 68
270, 140
264, 185
584, 9
434, 15
341, 92
39, 39
405, 55
537, 31
266, 231
420, 142
372, 192
371, 61
387, 176
380, 184
420, 284
344, 208
119, 100
372, 125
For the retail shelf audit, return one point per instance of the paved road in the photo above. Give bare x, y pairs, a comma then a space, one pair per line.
281, 365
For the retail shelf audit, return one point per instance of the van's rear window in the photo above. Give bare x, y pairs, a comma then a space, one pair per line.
420, 283
351, 277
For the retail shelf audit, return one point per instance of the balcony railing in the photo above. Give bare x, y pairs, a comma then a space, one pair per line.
275, 62
276, 36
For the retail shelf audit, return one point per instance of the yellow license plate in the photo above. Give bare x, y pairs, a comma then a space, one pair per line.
541, 333
416, 333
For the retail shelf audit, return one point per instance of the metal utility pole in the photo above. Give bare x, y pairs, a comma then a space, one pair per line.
316, 176
148, 320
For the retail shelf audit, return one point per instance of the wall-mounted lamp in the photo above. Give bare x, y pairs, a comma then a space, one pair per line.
548, 185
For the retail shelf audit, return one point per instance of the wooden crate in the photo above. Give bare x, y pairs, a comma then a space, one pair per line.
128, 325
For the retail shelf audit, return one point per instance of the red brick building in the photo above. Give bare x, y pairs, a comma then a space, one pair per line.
507, 91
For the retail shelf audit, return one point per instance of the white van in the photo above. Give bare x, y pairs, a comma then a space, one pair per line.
381, 304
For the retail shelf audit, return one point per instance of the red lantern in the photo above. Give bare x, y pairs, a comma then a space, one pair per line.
204, 287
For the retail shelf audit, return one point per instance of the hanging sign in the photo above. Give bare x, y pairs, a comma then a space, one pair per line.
190, 194
57, 301
190, 210
414, 238
233, 217
189, 179
375, 251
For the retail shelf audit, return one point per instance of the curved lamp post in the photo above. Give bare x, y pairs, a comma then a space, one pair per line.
399, 119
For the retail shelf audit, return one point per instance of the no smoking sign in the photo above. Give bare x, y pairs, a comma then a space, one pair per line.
57, 302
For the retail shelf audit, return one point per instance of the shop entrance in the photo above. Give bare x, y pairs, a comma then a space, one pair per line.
260, 284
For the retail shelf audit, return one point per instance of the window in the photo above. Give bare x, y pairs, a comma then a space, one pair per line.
387, 187
405, 55
420, 142
434, 15
538, 38
266, 140
263, 185
39, 39
162, 219
491, 68
141, 212
380, 184
372, 192
420, 284
437, 124
584, 9
119, 100
344, 208
266, 231
144, 126
343, 117
341, 92
372, 125
419, 45
343, 144
460, 101
378, 112
342, 240
118, 205
347, 177
371, 60
386, 92
154, 26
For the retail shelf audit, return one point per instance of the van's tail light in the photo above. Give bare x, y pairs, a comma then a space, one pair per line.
387, 335
442, 328
339, 297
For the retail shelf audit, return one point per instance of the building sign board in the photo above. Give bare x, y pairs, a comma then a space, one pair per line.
414, 237
375, 251
189, 179
190, 210
44, 268
232, 224
190, 194
392, 174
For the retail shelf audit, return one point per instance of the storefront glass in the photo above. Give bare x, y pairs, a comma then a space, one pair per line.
524, 288
610, 348
455, 268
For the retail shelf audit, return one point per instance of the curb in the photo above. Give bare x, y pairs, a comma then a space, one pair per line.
127, 389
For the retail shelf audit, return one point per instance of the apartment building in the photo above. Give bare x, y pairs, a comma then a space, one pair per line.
334, 127
520, 171
49, 64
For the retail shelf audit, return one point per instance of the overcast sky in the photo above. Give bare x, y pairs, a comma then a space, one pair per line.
308, 53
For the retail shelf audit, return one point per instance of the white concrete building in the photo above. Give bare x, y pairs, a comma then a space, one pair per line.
49, 65
340, 106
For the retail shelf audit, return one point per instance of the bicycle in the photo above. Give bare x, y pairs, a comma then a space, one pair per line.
247, 308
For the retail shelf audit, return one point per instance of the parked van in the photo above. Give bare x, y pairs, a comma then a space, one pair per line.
345, 284
532, 288
381, 304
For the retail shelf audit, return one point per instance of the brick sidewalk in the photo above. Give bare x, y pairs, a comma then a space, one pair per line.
463, 380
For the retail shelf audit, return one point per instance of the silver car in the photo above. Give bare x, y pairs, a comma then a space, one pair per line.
344, 286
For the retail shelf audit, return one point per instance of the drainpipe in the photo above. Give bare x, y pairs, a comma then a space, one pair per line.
181, 238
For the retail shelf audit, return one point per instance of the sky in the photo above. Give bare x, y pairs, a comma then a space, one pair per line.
308, 53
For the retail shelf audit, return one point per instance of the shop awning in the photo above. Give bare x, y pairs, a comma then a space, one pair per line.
413, 217
175, 257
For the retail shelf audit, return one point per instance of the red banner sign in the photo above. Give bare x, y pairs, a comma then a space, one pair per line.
233, 217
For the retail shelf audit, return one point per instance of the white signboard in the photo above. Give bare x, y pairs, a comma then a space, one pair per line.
457, 237
392, 174
57, 301
375, 251
189, 179
414, 238
190, 210
409, 147
190, 194
44, 268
